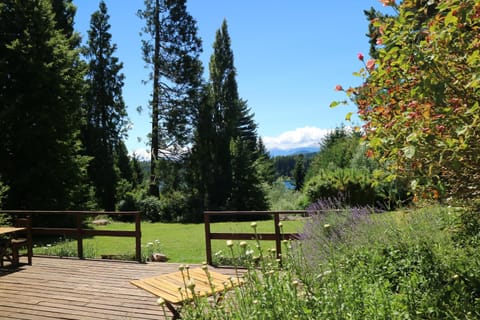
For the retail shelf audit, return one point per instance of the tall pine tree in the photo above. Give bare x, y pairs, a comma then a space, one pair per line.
171, 48
226, 138
41, 85
106, 111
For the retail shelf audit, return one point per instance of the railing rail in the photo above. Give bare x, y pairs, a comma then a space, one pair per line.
79, 232
277, 236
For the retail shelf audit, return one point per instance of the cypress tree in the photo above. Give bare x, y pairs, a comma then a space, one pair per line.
106, 111
41, 85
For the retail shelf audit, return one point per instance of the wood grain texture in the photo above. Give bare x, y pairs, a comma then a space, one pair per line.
63, 288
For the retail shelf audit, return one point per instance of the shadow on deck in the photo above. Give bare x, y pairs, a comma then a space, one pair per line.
63, 288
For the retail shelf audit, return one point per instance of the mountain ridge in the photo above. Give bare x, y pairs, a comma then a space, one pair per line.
274, 152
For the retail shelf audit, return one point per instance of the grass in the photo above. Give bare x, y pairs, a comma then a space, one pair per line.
183, 243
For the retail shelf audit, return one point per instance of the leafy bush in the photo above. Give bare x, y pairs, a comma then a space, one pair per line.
281, 198
356, 185
151, 209
174, 205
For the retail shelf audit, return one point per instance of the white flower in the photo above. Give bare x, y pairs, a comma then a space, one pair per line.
229, 243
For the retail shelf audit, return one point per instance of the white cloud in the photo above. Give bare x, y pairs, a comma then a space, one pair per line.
298, 138
141, 153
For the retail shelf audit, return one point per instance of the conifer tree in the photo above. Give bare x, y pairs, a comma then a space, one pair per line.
106, 111
225, 148
264, 164
171, 48
299, 172
41, 85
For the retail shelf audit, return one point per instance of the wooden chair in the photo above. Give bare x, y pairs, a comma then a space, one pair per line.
172, 289
22, 239
5, 251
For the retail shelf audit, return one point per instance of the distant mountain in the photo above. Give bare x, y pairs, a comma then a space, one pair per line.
293, 151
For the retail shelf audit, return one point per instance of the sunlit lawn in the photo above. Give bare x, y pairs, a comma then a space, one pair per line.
183, 243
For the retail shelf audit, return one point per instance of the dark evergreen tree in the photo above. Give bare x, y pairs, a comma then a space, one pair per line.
41, 85
172, 50
225, 149
124, 163
299, 172
264, 164
201, 162
225, 108
106, 112
64, 17
246, 193
137, 171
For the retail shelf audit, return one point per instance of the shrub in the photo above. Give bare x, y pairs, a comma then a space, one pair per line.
151, 209
357, 186
282, 198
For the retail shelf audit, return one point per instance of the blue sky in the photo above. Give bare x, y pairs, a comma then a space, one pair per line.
289, 57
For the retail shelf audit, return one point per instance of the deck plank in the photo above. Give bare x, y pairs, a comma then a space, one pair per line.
56, 288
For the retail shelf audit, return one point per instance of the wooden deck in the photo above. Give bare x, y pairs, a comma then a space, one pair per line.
55, 288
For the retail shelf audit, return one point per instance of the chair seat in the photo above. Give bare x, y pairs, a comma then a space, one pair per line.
19, 241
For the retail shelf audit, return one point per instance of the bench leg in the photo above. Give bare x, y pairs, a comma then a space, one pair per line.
176, 314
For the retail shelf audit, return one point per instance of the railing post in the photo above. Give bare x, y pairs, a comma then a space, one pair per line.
79, 236
208, 244
278, 235
138, 237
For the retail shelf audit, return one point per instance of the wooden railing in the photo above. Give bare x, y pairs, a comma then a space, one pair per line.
277, 236
79, 232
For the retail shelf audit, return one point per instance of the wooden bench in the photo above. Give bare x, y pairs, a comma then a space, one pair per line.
174, 289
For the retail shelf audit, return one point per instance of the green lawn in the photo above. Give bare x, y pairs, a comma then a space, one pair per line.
184, 243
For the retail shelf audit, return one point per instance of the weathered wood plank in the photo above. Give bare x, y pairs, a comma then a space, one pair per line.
55, 288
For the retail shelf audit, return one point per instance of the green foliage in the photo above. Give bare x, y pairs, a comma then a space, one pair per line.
356, 185
247, 193
299, 172
151, 208
63, 248
171, 48
337, 151
282, 198
3, 192
419, 100
228, 163
264, 164
106, 111
381, 268
284, 165
41, 85
342, 168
